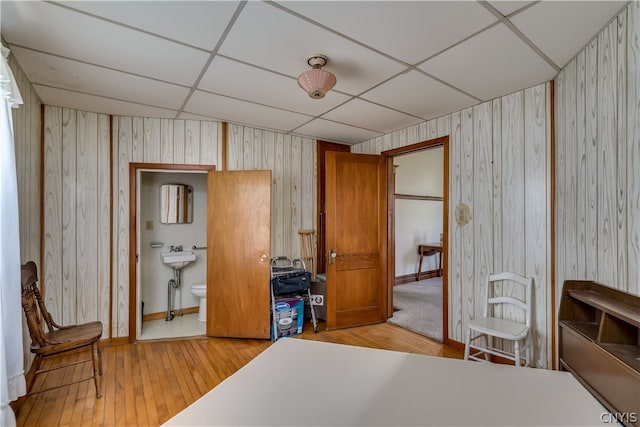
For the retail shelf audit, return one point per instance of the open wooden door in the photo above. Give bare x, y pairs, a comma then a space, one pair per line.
238, 254
356, 239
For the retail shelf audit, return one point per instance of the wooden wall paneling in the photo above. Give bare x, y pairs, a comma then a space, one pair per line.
387, 143
179, 136
67, 197
357, 148
482, 245
412, 136
379, 141
208, 143
152, 142
295, 205
86, 261
192, 142
286, 201
137, 139
581, 171
621, 146
559, 152
513, 228
277, 208
256, 147
432, 129
496, 183
123, 153
607, 157
633, 147
570, 175
221, 132
250, 136
591, 147
513, 182
234, 150
443, 125
166, 141
104, 220
467, 246
537, 214
51, 270
35, 187
455, 231
307, 186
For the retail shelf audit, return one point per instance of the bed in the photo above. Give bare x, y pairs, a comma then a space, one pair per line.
301, 382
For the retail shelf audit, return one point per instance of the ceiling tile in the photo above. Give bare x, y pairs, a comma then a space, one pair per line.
197, 23
265, 36
561, 29
420, 95
501, 64
407, 30
233, 110
97, 104
264, 87
62, 73
506, 7
327, 130
370, 116
63, 32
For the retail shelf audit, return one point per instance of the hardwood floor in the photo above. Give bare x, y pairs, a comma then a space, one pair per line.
147, 383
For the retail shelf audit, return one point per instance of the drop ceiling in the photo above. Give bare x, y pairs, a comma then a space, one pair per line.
397, 63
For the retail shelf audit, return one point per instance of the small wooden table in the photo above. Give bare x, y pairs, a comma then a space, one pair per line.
428, 249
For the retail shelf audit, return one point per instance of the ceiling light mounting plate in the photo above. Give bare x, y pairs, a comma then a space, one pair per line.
317, 61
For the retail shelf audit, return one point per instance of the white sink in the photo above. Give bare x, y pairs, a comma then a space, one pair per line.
178, 260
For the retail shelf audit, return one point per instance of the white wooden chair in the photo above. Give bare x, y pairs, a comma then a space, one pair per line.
515, 304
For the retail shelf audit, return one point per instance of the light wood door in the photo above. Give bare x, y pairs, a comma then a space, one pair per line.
238, 245
356, 239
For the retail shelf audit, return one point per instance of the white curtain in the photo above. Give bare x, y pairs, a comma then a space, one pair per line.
12, 381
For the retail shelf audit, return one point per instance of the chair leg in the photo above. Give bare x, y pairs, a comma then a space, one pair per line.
466, 344
516, 352
95, 355
100, 357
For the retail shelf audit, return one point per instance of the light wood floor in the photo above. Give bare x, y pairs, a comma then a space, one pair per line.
147, 383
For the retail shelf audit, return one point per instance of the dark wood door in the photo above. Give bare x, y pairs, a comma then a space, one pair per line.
238, 254
356, 239
322, 148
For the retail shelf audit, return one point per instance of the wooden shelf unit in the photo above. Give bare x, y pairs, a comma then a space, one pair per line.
600, 344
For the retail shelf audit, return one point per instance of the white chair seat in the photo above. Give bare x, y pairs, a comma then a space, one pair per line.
500, 328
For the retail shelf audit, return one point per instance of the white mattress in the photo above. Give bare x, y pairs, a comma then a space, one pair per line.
299, 382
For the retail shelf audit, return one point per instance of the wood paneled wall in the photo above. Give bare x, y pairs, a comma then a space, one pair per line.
75, 271
149, 140
499, 166
27, 143
598, 157
293, 162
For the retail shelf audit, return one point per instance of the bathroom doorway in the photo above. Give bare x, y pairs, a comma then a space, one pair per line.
160, 307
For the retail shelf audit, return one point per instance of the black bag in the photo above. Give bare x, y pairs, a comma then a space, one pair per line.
289, 283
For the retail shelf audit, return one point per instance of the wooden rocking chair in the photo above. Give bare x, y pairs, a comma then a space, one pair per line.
58, 339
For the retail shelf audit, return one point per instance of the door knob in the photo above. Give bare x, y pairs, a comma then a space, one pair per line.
264, 258
332, 256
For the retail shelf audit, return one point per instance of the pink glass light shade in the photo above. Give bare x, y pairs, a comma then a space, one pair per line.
316, 82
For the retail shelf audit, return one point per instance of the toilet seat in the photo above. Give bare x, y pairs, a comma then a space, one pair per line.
199, 286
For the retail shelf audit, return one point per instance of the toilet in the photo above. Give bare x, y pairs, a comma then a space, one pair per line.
200, 290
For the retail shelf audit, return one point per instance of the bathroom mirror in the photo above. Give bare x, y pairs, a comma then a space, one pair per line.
176, 204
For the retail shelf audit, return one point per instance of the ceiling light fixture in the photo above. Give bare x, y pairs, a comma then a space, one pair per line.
317, 82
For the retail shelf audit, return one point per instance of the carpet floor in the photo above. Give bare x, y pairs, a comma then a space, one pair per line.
418, 307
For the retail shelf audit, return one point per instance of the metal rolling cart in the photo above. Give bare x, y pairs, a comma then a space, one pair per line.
289, 279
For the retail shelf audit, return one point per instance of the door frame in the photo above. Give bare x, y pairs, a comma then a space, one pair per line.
391, 238
134, 168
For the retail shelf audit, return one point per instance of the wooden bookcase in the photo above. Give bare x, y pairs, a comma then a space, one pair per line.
600, 344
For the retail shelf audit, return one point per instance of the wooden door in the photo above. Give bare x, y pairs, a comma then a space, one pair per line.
238, 254
356, 239
321, 153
